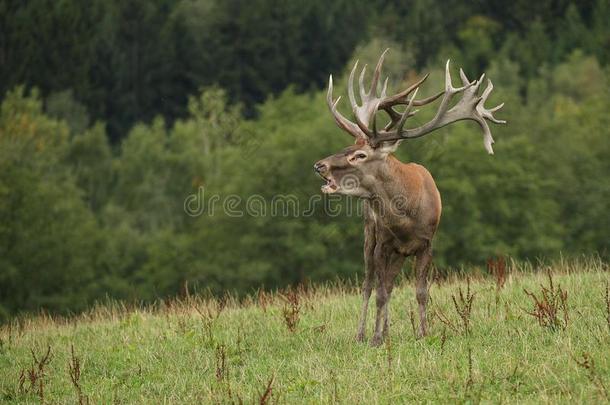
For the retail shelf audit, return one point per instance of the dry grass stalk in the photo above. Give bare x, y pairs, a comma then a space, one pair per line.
74, 370
265, 397
292, 309
333, 378
551, 308
463, 305
497, 267
222, 366
209, 316
35, 374
263, 300
587, 363
388, 352
446, 321
413, 327
443, 340
470, 380
607, 301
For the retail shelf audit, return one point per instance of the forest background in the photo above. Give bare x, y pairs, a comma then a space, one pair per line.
114, 113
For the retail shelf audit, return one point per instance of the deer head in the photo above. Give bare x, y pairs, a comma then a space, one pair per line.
356, 168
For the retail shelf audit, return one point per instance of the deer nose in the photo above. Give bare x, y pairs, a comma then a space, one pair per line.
320, 167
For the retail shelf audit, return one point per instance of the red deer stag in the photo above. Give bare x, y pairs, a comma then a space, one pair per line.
402, 206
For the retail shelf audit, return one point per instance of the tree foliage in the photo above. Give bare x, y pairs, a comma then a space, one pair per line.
99, 169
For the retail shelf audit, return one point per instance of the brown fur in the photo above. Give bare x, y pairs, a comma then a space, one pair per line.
402, 209
402, 204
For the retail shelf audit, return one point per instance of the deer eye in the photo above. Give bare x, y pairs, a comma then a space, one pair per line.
361, 156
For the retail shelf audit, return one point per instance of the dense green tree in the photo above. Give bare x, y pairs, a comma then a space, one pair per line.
601, 31
63, 106
131, 61
48, 237
99, 182
90, 157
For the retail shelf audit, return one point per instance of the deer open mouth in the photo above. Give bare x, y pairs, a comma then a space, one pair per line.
330, 186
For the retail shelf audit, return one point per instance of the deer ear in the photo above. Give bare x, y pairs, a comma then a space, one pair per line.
389, 147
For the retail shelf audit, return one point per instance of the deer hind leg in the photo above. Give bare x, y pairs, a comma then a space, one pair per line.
393, 269
422, 262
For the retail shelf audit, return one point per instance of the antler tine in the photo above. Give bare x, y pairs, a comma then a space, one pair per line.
356, 109
405, 115
465, 80
375, 125
400, 98
427, 100
361, 84
364, 126
450, 91
376, 74
469, 107
370, 102
477, 84
350, 87
395, 116
340, 120
449, 86
488, 140
385, 88
329, 93
487, 113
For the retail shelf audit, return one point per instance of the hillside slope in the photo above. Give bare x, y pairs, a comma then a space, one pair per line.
190, 352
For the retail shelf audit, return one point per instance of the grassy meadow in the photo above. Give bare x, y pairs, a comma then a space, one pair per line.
485, 345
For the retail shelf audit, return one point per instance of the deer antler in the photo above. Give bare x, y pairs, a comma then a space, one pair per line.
469, 107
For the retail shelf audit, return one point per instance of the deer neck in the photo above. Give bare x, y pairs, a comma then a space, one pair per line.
385, 178
387, 184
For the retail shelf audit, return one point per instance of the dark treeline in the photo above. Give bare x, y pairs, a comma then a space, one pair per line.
129, 61
115, 112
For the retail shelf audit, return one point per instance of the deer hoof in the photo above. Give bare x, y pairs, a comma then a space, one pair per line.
376, 341
360, 337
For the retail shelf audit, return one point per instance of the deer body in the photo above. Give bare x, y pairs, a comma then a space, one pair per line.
402, 206
415, 214
402, 209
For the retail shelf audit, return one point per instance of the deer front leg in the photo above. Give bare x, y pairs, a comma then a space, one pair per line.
422, 261
367, 288
380, 259
385, 278
369, 269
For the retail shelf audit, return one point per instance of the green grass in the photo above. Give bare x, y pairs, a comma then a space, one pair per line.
172, 354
